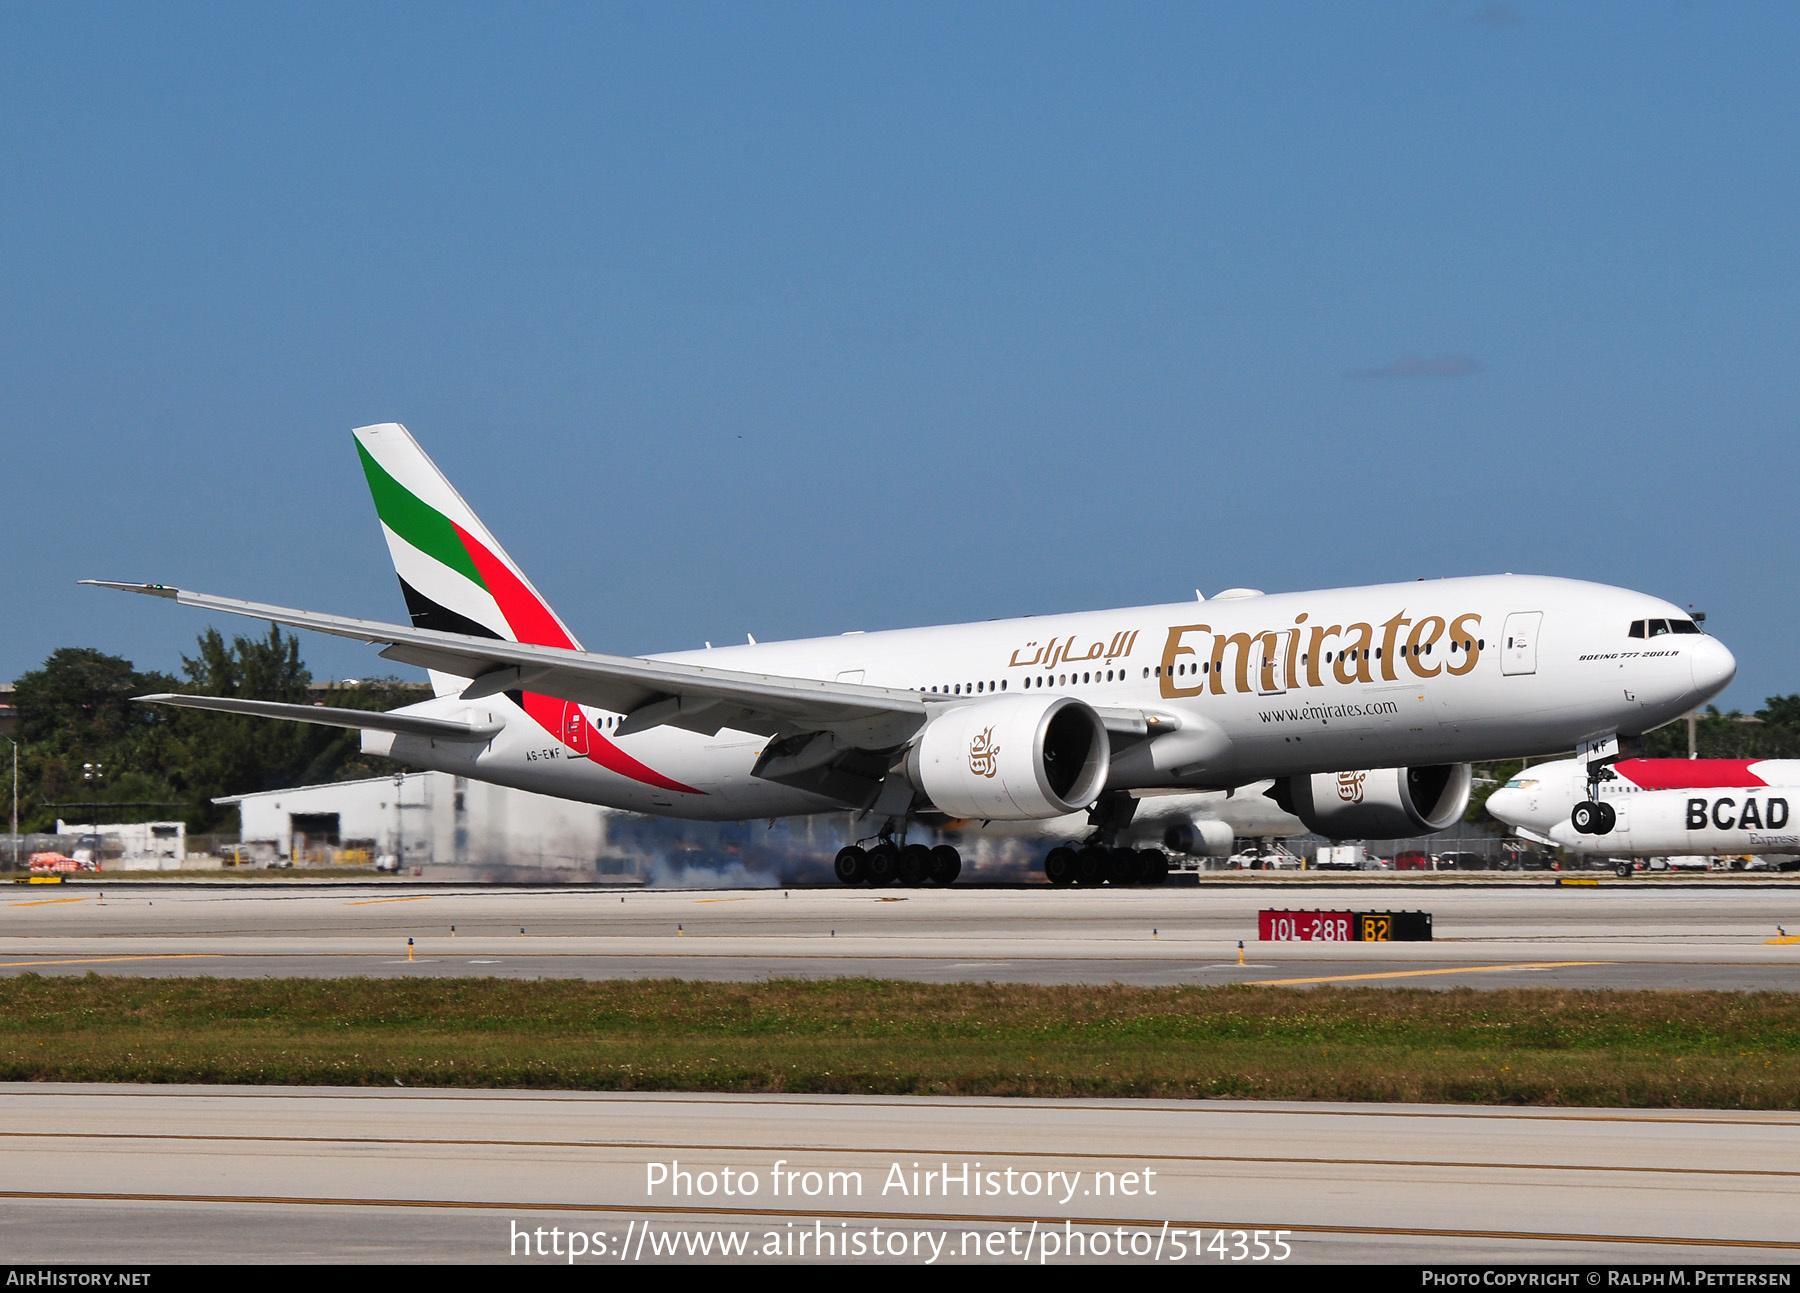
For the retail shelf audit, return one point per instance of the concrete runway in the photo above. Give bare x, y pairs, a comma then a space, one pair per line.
1724, 934
222, 1174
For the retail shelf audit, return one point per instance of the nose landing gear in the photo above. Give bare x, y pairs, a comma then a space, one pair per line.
1593, 818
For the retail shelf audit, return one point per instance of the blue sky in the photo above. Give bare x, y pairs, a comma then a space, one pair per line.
796, 319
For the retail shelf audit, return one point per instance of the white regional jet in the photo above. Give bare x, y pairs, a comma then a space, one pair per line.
1657, 807
1363, 705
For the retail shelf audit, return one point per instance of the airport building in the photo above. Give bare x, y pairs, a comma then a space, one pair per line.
441, 826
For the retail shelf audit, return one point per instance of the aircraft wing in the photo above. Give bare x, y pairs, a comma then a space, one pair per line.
650, 693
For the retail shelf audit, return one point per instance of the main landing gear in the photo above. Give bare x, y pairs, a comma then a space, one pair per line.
886, 862
1102, 860
1094, 865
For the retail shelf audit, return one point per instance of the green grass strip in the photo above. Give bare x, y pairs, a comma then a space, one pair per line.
1526, 1046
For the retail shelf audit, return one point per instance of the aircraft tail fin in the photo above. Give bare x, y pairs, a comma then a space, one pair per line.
454, 575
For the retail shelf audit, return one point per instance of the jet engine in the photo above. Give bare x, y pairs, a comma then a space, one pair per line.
1012, 758
1199, 837
1379, 803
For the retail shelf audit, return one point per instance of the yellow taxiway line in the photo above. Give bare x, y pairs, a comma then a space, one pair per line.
1414, 974
104, 960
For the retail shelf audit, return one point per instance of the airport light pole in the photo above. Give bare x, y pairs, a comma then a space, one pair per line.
15, 806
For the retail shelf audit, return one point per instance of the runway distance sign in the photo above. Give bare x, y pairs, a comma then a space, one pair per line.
1344, 926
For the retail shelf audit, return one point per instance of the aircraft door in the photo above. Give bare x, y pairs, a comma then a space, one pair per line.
1518, 652
1271, 666
574, 729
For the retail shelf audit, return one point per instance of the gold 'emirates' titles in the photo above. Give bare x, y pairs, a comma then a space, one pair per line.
1430, 646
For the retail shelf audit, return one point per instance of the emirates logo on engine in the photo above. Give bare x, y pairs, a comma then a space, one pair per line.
1350, 786
984, 755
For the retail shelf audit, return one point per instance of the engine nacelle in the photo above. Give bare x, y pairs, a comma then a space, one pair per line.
1378, 804
1012, 758
1199, 837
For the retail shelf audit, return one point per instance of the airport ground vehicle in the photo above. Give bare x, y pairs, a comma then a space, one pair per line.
59, 864
1363, 706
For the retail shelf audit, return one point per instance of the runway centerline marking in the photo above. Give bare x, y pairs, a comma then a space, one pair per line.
370, 902
46, 902
102, 960
1413, 974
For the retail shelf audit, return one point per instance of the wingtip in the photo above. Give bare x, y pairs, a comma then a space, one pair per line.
153, 590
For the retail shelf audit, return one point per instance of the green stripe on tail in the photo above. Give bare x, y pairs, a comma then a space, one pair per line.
428, 530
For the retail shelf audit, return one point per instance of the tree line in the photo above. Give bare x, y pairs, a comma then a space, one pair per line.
88, 752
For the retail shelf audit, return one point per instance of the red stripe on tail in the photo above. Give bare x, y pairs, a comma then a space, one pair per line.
533, 624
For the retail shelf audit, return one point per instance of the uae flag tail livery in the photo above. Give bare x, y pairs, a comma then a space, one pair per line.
456, 578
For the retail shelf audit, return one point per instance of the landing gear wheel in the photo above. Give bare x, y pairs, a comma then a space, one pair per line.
1585, 816
1090, 866
1608, 818
1059, 866
1623, 870
1153, 866
946, 864
1121, 867
883, 864
915, 865
852, 865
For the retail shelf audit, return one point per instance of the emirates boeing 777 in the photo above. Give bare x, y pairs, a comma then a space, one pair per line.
1364, 706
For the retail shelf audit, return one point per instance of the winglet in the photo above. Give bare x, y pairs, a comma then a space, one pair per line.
153, 590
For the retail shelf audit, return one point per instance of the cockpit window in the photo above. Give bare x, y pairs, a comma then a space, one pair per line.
1658, 628
1637, 628
1683, 626
1521, 783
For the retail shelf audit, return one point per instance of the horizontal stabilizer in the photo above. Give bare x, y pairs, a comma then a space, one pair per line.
372, 720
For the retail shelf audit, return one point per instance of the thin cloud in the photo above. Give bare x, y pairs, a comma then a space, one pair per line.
1420, 366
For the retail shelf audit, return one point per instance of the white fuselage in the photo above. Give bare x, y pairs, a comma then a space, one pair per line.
1730, 806
1260, 686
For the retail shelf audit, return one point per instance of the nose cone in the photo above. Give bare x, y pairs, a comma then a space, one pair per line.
1714, 667
1507, 805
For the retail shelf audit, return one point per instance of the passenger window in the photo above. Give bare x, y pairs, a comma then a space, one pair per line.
1658, 628
1637, 628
